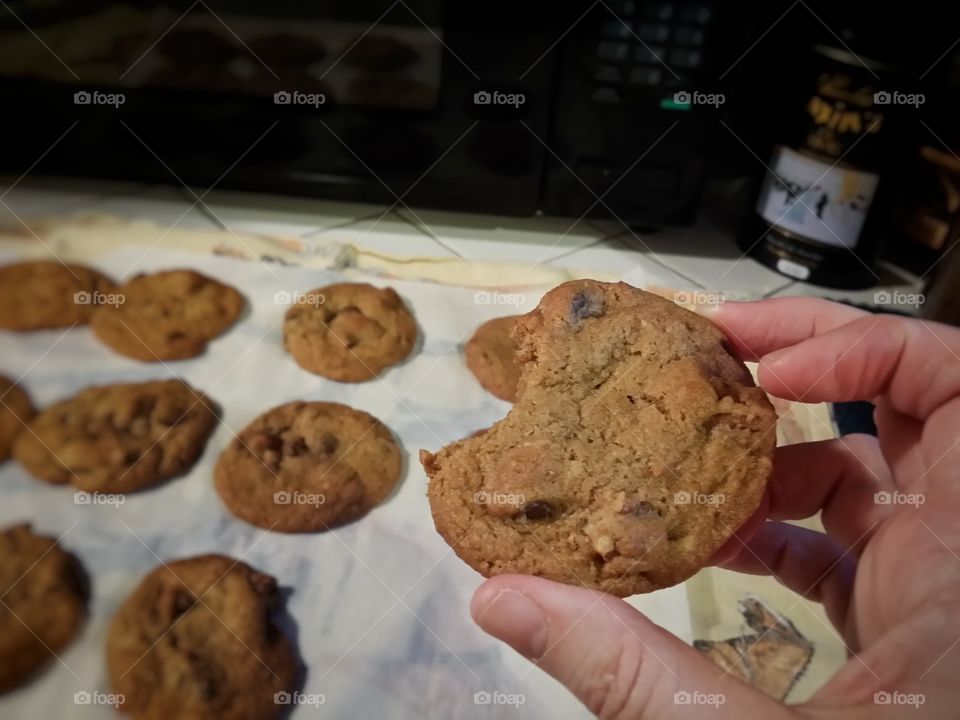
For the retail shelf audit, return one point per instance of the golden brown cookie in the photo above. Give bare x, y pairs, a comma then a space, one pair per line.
169, 315
15, 410
491, 358
118, 438
307, 466
43, 606
349, 331
44, 295
637, 445
196, 640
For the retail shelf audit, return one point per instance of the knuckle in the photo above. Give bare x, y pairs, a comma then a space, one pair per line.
621, 682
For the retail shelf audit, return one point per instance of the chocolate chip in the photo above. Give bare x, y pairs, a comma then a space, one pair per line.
639, 508
296, 448
583, 306
537, 510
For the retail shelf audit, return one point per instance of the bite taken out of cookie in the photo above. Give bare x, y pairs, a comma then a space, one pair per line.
636, 447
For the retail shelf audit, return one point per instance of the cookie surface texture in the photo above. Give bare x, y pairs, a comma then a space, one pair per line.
118, 438
43, 603
490, 355
169, 315
46, 295
637, 445
349, 332
197, 640
308, 466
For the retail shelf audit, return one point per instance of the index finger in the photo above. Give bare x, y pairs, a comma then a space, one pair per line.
763, 326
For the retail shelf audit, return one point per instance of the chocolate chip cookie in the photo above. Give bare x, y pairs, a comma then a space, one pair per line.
45, 295
43, 606
118, 438
349, 331
169, 315
637, 445
196, 640
15, 410
307, 466
491, 357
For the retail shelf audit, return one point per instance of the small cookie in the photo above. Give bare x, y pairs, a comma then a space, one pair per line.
44, 602
637, 445
349, 331
169, 315
15, 410
307, 466
118, 438
45, 295
490, 356
196, 640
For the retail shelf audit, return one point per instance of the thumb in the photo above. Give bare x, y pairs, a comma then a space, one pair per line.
615, 660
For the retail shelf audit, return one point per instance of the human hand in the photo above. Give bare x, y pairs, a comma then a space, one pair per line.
888, 573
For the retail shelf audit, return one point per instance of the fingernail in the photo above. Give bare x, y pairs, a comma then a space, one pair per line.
514, 618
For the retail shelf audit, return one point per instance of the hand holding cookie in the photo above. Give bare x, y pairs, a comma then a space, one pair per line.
886, 570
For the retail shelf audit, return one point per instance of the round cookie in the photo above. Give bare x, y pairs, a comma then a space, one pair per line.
637, 445
196, 640
118, 438
307, 466
349, 331
45, 295
490, 357
169, 315
44, 602
15, 410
